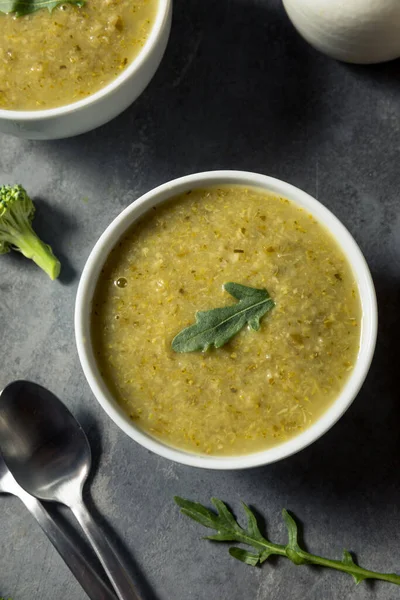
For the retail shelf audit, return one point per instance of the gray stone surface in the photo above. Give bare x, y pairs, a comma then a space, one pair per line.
237, 89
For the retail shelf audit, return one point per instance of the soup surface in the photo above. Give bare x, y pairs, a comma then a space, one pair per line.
261, 388
53, 59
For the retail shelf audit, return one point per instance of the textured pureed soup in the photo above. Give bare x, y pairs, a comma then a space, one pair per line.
53, 59
263, 387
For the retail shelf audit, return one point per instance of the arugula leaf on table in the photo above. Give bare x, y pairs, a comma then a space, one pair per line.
26, 7
218, 325
229, 530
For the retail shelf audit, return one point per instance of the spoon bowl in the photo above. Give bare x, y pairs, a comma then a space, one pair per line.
38, 431
49, 455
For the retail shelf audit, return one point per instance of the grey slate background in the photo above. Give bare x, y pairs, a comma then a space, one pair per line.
237, 89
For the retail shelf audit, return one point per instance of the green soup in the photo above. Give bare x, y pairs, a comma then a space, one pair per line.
53, 59
260, 389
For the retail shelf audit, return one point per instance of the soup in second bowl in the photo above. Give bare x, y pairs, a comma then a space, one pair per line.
262, 387
52, 59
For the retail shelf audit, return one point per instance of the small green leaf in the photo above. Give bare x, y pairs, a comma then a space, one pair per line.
252, 525
347, 558
26, 7
293, 549
348, 561
292, 530
226, 517
217, 326
197, 512
265, 555
243, 555
227, 527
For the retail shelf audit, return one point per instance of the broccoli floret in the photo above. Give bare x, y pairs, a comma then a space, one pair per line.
16, 215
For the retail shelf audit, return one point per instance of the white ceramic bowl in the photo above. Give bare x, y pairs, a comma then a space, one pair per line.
119, 226
104, 105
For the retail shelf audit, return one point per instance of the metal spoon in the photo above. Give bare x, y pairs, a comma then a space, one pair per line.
48, 454
91, 582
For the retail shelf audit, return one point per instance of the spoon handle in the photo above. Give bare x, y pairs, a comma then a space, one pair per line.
89, 579
117, 573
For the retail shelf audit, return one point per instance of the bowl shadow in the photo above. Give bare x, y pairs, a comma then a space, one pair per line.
229, 94
360, 454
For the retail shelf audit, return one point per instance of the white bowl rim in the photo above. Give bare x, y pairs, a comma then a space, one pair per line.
133, 67
158, 195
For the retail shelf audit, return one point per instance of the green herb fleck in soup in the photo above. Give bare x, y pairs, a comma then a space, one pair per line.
260, 388
50, 59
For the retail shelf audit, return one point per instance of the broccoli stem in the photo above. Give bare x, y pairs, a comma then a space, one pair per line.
32, 247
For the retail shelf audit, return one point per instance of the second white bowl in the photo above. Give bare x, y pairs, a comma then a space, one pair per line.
99, 108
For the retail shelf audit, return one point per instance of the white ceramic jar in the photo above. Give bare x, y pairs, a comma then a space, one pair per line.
354, 31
